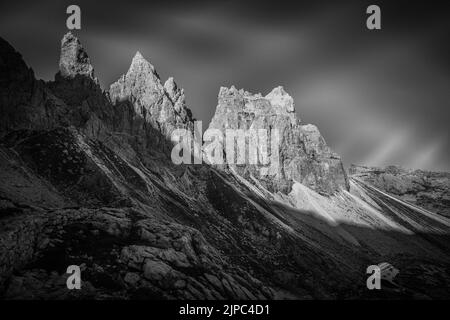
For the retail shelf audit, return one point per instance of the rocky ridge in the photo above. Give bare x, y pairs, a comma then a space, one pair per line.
86, 179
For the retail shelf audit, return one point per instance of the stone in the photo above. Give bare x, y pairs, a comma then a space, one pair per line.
156, 270
131, 278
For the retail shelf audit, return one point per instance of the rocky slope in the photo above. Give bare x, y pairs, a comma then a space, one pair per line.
86, 178
430, 190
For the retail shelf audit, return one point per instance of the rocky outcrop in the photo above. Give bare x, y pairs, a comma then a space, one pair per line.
76, 85
140, 257
302, 152
430, 190
74, 61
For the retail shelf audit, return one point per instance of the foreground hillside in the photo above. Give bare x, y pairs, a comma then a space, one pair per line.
86, 178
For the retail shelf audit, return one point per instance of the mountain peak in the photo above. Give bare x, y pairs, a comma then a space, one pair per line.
301, 146
74, 59
163, 106
138, 56
141, 65
281, 99
139, 59
140, 81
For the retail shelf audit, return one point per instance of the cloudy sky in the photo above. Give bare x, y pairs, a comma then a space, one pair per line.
378, 97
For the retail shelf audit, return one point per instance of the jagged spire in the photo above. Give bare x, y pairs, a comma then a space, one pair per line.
163, 106
140, 65
138, 56
140, 81
281, 99
73, 59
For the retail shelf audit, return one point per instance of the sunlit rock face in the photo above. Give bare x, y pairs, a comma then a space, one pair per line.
161, 106
303, 154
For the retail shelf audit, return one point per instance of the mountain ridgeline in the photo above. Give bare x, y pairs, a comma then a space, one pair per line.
86, 179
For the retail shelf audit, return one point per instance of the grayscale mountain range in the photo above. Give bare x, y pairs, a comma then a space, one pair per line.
86, 179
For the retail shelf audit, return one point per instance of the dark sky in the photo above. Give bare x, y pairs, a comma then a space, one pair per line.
378, 97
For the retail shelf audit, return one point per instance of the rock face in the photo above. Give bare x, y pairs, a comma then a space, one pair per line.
303, 154
25, 103
430, 190
74, 60
161, 106
17, 78
86, 179
76, 86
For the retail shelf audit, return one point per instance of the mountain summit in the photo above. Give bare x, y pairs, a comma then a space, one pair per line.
303, 153
141, 88
73, 59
